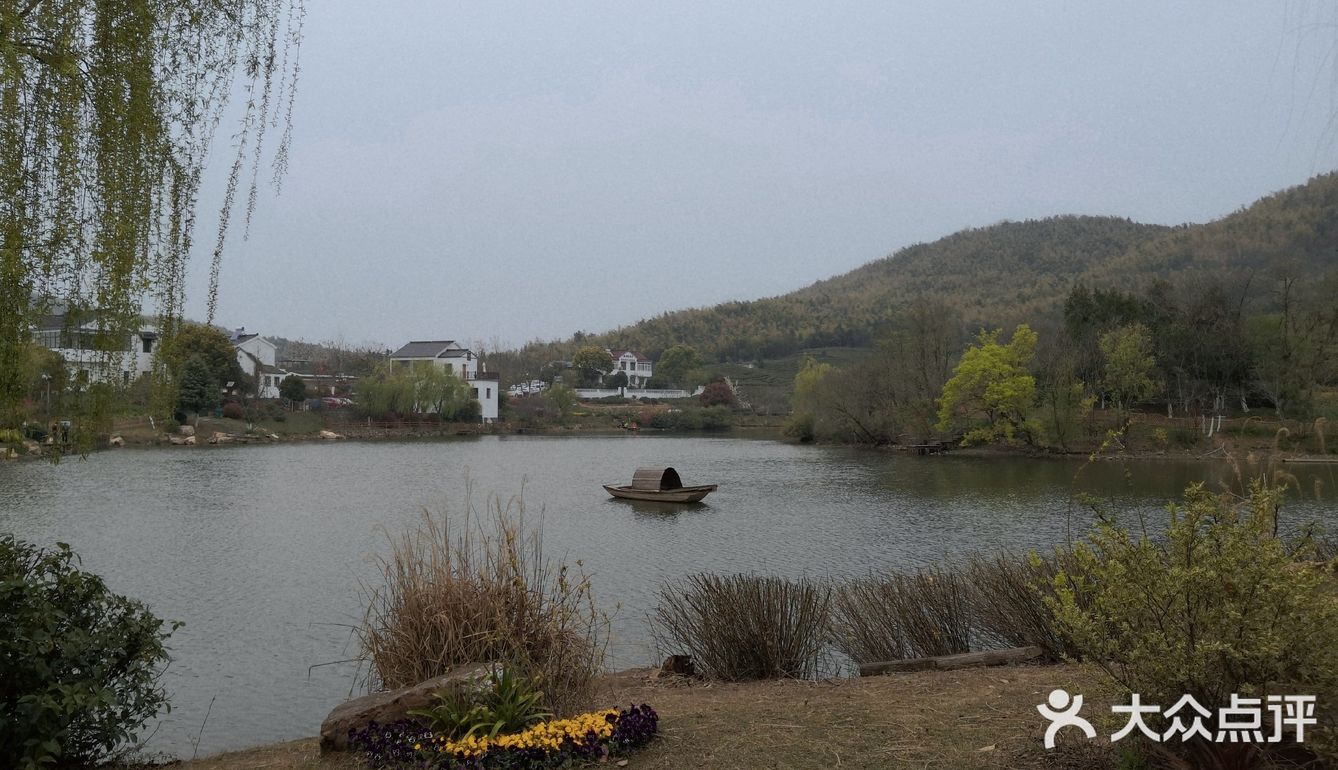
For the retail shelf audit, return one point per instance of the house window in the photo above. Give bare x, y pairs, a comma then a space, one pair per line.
148, 344
125, 378
474, 392
488, 391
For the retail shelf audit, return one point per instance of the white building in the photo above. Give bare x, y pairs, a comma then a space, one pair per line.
78, 344
255, 355
631, 363
453, 358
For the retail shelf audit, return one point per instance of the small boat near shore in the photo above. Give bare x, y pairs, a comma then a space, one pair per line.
660, 485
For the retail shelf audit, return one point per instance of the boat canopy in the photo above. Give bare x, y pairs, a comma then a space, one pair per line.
656, 479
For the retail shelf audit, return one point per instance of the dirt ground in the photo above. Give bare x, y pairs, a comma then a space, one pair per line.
980, 718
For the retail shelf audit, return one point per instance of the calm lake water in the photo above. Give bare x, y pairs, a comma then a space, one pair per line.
261, 550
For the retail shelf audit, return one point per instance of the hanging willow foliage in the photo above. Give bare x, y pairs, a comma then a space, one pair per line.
107, 112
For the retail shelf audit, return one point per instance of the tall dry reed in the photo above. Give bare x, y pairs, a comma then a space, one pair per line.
741, 627
484, 594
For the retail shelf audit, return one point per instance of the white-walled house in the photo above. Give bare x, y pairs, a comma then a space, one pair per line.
77, 344
255, 355
631, 363
452, 358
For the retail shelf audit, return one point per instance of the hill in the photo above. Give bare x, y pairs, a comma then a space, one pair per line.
999, 275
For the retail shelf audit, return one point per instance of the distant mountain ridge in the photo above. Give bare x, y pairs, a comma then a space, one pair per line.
1005, 273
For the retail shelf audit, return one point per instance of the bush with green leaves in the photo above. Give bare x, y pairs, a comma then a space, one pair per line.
1218, 604
79, 665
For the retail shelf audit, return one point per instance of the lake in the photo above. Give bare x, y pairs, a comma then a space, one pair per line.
261, 550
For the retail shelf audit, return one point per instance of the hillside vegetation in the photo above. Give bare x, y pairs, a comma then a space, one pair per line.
995, 276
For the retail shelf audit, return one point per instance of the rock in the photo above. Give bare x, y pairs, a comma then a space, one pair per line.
9, 454
189, 441
32, 447
219, 437
187, 430
389, 706
677, 665
116, 441
329, 434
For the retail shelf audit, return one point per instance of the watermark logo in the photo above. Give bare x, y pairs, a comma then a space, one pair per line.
1240, 722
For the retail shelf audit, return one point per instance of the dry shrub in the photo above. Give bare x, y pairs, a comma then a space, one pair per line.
740, 627
1008, 600
897, 615
486, 595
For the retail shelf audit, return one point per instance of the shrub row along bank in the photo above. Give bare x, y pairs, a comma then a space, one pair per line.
1218, 604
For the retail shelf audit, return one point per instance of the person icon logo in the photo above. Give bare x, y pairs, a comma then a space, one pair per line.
1063, 712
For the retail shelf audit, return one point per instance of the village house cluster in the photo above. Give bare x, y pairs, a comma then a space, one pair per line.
77, 343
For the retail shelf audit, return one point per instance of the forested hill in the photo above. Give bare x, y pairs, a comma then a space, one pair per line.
1006, 273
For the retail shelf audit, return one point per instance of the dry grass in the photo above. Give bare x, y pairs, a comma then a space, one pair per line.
487, 595
957, 720
740, 627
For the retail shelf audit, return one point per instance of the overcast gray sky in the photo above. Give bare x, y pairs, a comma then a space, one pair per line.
524, 170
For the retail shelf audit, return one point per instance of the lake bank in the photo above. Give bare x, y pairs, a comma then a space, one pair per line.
981, 718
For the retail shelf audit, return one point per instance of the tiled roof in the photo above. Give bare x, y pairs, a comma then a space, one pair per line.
424, 349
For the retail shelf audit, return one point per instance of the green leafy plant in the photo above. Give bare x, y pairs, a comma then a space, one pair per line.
79, 665
1219, 604
506, 702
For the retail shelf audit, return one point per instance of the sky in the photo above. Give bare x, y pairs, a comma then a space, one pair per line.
511, 171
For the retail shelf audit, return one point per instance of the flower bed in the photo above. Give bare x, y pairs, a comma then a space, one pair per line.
586, 738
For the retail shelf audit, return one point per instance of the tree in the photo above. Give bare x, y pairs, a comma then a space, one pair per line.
591, 363
718, 393
107, 111
993, 379
439, 392
563, 399
198, 390
293, 388
676, 363
1128, 364
618, 380
210, 344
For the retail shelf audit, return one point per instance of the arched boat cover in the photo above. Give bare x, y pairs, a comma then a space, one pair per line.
656, 479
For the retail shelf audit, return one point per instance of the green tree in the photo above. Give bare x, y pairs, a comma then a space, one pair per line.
563, 400
198, 391
1128, 366
993, 380
617, 380
106, 115
439, 392
808, 400
293, 388
591, 363
210, 344
676, 364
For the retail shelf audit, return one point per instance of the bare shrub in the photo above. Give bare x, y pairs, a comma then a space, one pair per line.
899, 615
740, 627
487, 595
1008, 600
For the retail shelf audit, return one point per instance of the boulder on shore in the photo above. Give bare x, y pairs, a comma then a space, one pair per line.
389, 706
329, 434
187, 430
116, 441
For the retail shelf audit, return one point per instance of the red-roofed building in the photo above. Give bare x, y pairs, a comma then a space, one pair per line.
631, 363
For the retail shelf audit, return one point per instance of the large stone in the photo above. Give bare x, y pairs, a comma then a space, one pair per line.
187, 430
116, 441
389, 706
329, 435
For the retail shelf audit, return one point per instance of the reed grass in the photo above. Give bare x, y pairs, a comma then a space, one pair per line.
743, 627
482, 592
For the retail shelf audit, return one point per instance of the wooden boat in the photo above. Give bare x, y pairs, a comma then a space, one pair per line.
661, 485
